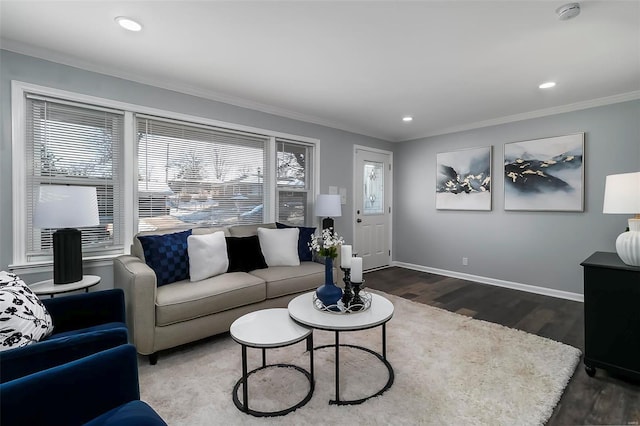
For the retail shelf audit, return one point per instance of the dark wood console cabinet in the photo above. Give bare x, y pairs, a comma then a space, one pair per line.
611, 315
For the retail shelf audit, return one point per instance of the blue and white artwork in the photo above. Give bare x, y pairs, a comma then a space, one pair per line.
545, 174
463, 180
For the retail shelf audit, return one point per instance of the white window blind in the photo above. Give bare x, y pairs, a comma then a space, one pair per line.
195, 175
74, 144
294, 177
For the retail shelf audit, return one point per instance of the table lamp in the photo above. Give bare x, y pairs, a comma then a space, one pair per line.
622, 196
328, 206
66, 208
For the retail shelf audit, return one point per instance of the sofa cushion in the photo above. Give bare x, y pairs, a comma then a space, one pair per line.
304, 251
207, 255
186, 300
167, 255
23, 318
249, 230
279, 246
244, 254
136, 246
283, 280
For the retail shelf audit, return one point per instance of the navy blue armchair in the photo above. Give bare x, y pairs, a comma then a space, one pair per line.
83, 325
100, 389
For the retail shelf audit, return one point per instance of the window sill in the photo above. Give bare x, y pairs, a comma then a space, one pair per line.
47, 266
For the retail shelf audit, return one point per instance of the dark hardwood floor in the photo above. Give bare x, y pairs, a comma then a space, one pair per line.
603, 399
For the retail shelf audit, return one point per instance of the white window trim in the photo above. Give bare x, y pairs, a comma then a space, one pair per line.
19, 183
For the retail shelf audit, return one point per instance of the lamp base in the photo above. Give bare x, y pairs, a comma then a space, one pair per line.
628, 244
67, 256
327, 223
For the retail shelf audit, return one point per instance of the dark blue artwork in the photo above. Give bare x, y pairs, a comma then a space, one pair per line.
544, 174
463, 180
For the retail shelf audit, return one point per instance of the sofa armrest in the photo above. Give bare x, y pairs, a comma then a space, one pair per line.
72, 393
20, 362
86, 309
139, 284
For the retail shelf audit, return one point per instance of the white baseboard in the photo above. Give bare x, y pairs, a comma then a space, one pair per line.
492, 281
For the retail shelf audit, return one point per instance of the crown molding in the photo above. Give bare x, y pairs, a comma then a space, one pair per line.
75, 62
577, 106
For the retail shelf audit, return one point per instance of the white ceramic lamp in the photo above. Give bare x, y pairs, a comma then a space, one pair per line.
328, 206
622, 196
65, 208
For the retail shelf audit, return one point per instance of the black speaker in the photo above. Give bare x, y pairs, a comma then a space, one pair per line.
67, 256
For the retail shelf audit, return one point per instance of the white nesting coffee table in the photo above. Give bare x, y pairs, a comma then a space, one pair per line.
269, 328
302, 311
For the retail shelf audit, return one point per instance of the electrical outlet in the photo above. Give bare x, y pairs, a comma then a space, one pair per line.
465, 261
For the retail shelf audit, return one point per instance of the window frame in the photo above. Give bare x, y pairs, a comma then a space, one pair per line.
128, 165
310, 179
42, 110
211, 135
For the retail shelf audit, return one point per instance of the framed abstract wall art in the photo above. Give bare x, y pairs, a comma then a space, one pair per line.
463, 180
545, 174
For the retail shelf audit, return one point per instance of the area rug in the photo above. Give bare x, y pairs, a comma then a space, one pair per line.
449, 370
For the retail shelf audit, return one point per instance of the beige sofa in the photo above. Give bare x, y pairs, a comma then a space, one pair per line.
174, 314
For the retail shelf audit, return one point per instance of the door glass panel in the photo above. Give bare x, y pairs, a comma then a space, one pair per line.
373, 196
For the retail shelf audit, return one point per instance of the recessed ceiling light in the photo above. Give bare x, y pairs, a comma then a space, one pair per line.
407, 118
128, 23
547, 85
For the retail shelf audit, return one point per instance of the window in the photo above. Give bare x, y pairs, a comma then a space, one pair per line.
73, 144
293, 176
152, 169
195, 175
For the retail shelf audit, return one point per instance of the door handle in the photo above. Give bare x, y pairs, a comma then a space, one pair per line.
359, 220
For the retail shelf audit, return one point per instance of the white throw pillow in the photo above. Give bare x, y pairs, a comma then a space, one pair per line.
207, 255
279, 246
23, 317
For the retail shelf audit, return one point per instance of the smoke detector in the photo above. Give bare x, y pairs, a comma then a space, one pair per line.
568, 11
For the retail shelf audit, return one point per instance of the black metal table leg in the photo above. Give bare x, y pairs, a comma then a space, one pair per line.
244, 381
337, 367
245, 390
384, 340
311, 362
381, 356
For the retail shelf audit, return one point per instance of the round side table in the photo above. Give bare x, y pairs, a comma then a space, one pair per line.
302, 311
269, 328
48, 287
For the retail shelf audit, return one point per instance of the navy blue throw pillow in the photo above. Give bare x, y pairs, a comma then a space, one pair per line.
304, 237
167, 255
244, 254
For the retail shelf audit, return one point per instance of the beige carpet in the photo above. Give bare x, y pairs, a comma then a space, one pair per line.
449, 370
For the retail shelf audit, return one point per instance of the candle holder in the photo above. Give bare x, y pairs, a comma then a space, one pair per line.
357, 304
347, 294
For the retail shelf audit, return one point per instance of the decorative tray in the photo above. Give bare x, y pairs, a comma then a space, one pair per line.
340, 309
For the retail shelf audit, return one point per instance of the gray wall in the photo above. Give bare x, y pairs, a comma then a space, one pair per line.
336, 146
536, 248
541, 249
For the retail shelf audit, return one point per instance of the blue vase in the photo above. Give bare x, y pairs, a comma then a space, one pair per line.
329, 293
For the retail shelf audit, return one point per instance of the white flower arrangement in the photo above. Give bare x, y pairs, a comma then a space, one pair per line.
326, 244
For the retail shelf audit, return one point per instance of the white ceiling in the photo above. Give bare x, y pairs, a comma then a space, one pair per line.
353, 65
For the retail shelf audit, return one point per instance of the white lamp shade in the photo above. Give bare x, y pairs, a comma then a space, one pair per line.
328, 205
622, 194
62, 206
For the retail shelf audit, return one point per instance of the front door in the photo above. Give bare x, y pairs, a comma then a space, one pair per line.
372, 178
